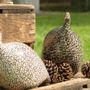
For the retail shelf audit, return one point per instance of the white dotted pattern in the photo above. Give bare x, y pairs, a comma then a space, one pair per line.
20, 67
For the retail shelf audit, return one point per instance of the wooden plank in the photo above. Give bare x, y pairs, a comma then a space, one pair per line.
74, 84
16, 6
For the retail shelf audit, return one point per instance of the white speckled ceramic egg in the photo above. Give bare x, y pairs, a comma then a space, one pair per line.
20, 67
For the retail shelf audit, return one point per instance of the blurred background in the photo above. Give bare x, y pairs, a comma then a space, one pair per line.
50, 14
64, 5
58, 5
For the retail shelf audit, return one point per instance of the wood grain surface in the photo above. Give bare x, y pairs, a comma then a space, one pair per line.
17, 23
74, 84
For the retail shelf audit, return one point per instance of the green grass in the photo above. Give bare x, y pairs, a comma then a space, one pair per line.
80, 24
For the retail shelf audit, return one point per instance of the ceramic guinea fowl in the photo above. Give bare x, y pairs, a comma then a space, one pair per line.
20, 67
63, 45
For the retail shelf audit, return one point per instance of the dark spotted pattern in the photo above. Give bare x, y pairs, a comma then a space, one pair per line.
62, 45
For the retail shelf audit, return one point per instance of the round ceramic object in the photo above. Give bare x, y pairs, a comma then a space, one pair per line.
20, 67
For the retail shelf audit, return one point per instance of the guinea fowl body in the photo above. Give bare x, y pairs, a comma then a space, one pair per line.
62, 45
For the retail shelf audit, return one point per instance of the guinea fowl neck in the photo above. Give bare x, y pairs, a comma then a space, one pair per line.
67, 20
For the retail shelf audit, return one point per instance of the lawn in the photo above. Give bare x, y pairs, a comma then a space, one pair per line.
80, 24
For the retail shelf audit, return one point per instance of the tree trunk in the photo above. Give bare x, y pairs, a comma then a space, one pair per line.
87, 5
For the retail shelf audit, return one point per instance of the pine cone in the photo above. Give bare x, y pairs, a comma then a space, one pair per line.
65, 72
60, 72
52, 69
54, 78
85, 69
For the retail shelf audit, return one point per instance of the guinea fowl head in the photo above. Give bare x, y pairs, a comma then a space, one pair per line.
67, 19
